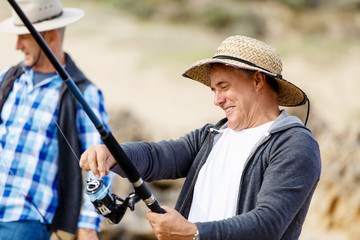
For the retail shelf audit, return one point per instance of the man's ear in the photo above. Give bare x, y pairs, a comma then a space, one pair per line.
51, 37
259, 79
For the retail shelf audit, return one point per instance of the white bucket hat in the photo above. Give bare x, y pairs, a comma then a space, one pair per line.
248, 53
45, 15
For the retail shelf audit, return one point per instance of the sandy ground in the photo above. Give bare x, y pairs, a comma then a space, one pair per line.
138, 66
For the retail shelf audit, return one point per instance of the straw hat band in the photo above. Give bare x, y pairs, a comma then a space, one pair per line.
41, 20
278, 75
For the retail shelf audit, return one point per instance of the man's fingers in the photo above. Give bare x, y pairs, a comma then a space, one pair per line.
92, 161
167, 209
101, 159
98, 160
152, 216
83, 162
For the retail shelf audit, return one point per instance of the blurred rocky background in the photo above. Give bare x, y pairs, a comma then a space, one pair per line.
135, 51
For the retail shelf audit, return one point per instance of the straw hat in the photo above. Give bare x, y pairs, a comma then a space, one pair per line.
45, 15
248, 53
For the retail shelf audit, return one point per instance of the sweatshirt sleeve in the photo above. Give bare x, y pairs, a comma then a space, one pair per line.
170, 159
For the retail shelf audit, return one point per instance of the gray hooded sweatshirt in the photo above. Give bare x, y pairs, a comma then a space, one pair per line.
277, 184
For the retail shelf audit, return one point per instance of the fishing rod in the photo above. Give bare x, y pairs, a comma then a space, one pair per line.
103, 201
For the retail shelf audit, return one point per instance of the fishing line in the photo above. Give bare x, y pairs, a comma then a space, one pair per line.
101, 194
67, 142
73, 152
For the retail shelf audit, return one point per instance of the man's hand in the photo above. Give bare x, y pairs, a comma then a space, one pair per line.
87, 234
171, 225
98, 159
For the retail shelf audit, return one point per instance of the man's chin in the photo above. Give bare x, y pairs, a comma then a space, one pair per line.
28, 63
231, 126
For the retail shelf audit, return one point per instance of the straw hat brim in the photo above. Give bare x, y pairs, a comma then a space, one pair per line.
288, 95
68, 16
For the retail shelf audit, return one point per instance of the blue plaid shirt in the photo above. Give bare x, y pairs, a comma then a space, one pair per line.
29, 149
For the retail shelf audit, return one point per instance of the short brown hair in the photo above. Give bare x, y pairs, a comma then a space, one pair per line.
270, 80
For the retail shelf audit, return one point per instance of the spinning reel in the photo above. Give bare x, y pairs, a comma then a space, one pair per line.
106, 203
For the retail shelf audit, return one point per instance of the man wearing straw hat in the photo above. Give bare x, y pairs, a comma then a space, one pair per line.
43, 132
250, 176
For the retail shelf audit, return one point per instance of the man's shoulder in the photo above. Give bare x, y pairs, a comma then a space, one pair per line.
3, 72
11, 72
74, 71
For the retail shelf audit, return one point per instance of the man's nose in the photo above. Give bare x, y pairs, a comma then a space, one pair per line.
18, 45
218, 98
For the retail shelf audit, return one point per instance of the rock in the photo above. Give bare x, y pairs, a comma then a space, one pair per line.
336, 203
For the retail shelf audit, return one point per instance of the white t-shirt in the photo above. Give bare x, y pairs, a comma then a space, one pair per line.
216, 189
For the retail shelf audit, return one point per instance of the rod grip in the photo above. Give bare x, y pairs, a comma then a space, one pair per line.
149, 199
155, 207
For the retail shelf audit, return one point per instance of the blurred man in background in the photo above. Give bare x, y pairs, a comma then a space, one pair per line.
43, 131
250, 176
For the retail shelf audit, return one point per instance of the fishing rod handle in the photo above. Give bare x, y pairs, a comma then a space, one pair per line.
149, 199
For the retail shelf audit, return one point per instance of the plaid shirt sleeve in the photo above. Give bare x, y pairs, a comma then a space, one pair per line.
89, 136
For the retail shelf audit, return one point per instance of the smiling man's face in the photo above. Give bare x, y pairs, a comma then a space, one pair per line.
236, 94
